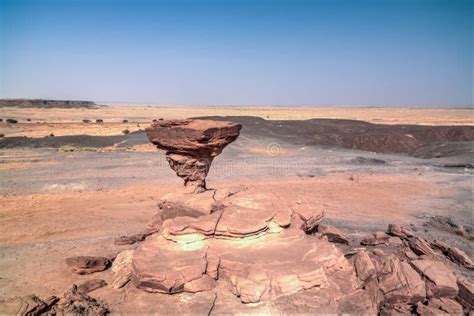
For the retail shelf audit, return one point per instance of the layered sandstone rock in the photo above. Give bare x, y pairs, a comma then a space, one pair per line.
254, 242
191, 145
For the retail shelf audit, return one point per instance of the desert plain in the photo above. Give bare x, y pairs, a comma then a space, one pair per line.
71, 188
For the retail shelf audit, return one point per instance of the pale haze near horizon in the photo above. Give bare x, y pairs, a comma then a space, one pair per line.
238, 52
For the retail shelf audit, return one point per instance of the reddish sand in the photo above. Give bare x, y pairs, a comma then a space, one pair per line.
57, 216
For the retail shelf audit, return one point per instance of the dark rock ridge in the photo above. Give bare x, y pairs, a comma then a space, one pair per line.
416, 140
47, 104
191, 146
422, 141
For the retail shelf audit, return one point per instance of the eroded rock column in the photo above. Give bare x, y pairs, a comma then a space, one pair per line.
191, 146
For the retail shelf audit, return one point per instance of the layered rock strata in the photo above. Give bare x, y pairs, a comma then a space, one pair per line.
191, 146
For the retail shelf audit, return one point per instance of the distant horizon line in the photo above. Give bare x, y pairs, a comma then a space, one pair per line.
156, 104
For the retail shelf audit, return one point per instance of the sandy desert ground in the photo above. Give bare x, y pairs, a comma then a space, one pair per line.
69, 121
76, 198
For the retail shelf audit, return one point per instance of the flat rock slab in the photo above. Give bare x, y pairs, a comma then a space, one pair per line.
256, 268
160, 265
187, 204
402, 283
87, 264
277, 264
242, 214
440, 281
192, 135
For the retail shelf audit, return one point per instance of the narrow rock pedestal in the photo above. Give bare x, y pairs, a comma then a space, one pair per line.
191, 146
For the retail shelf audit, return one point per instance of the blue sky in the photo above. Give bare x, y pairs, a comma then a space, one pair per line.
259, 52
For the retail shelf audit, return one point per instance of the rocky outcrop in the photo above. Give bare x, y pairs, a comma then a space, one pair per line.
73, 302
258, 247
255, 243
191, 146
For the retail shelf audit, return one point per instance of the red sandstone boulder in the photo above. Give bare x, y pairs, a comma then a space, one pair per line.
421, 247
399, 282
191, 145
455, 254
440, 280
466, 293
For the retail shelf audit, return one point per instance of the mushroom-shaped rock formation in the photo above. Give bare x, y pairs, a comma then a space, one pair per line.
191, 145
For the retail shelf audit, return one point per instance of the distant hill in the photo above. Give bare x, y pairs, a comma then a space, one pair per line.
48, 104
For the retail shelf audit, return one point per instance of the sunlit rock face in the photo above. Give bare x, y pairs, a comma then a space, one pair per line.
254, 243
191, 145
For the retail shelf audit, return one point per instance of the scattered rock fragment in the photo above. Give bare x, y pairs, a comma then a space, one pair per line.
395, 241
99, 121
333, 234
460, 257
90, 285
374, 239
448, 224
439, 306
28, 305
399, 231
363, 265
306, 216
77, 303
421, 247
125, 131
124, 121
365, 160
396, 309
11, 121
86, 121
455, 254
130, 240
122, 269
440, 245
378, 252
87, 264
411, 255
